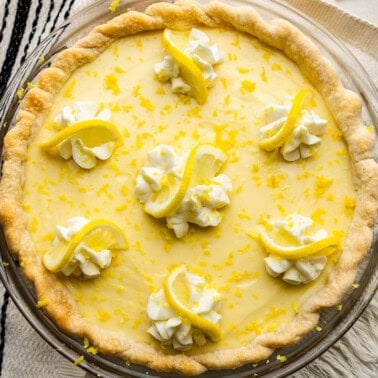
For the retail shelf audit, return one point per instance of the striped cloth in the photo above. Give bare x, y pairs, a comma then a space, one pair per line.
24, 24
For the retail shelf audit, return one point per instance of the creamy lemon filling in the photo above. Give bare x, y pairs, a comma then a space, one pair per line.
266, 187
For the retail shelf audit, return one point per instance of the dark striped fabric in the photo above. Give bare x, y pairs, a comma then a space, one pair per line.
23, 25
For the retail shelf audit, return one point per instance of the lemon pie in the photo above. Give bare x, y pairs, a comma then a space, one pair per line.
188, 187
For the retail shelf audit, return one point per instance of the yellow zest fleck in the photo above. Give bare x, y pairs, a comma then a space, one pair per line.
224, 82
29, 84
263, 75
119, 69
356, 285
69, 88
318, 328
318, 215
247, 86
281, 358
86, 343
41, 59
160, 91
114, 5
370, 128
146, 103
274, 313
276, 67
92, 350
272, 142
349, 204
322, 184
295, 307
339, 307
111, 83
42, 303
103, 316
20, 93
243, 70
5, 263
79, 360
264, 221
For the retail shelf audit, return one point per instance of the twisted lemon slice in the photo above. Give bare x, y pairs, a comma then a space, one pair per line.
323, 247
189, 70
280, 137
204, 161
97, 234
177, 294
92, 133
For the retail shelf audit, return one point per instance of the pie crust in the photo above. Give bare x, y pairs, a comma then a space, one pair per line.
344, 105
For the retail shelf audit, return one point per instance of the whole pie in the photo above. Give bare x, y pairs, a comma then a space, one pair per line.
189, 186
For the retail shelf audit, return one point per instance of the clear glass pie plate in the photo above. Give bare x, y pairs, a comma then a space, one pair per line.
334, 323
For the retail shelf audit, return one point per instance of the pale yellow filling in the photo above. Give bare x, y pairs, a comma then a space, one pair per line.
148, 114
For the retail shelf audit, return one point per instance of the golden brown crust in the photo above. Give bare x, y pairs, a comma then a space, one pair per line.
344, 105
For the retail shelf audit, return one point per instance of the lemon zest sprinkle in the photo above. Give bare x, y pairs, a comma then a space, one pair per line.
79, 360
114, 5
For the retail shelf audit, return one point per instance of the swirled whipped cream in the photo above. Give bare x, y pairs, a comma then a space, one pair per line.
302, 270
84, 156
81, 111
204, 55
84, 262
306, 134
201, 204
170, 328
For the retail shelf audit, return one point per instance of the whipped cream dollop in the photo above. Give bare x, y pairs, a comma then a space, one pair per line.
301, 270
81, 111
204, 55
201, 204
309, 128
170, 328
84, 156
84, 262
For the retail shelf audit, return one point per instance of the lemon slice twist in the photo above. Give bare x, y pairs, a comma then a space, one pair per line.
203, 162
174, 300
98, 234
189, 70
93, 133
280, 137
323, 247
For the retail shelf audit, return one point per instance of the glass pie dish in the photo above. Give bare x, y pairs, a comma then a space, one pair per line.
333, 322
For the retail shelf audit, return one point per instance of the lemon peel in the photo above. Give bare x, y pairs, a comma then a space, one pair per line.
276, 140
323, 247
92, 132
97, 234
203, 162
189, 70
208, 327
